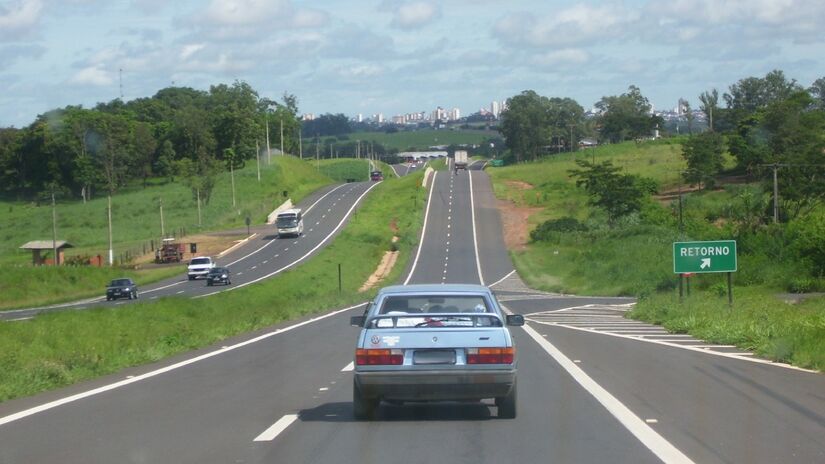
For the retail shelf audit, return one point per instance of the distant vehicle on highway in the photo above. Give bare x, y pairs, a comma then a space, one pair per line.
121, 288
290, 222
169, 251
218, 275
376, 175
434, 343
199, 267
460, 161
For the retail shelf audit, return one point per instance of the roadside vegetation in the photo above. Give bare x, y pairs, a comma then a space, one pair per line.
136, 228
59, 349
605, 218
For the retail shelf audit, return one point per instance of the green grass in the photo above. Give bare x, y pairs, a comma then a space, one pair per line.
422, 139
633, 257
342, 169
758, 321
136, 217
27, 286
59, 349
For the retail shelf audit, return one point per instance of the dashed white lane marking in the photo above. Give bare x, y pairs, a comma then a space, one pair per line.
240, 273
153, 298
253, 267
276, 256
178, 293
163, 370
318, 223
265, 261
323, 389
651, 421
662, 448
311, 230
275, 429
286, 249
349, 367
295, 242
423, 229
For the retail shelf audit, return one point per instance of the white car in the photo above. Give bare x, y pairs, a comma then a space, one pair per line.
199, 267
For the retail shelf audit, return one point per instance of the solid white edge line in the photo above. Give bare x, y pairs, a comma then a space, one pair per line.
349, 367
423, 229
319, 245
502, 279
233, 247
275, 429
662, 448
475, 236
112, 386
684, 347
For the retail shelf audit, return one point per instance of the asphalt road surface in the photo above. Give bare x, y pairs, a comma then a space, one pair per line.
593, 387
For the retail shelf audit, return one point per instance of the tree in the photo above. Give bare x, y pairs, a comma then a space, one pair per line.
524, 124
618, 194
627, 116
710, 102
143, 146
703, 153
164, 165
751, 94
817, 91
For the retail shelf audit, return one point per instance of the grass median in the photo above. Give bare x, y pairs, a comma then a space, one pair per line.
58, 349
759, 321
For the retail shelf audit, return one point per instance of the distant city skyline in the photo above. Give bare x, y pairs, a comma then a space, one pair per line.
398, 56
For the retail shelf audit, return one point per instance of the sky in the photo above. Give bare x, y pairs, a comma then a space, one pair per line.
398, 56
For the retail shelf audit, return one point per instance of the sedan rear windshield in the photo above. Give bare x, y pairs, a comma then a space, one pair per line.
434, 304
200, 261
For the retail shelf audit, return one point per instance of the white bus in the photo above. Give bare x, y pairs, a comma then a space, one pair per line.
290, 222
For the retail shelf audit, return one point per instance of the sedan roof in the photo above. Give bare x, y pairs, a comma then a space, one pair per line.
434, 289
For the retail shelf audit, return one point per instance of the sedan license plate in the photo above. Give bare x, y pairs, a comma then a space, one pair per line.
434, 357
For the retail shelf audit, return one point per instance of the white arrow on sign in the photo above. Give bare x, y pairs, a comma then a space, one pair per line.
705, 263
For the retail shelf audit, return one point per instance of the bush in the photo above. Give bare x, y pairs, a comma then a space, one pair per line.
548, 230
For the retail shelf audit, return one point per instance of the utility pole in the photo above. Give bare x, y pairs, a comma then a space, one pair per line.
268, 150
282, 136
775, 194
109, 210
300, 144
232, 176
54, 232
317, 157
162, 228
198, 194
258, 160
572, 146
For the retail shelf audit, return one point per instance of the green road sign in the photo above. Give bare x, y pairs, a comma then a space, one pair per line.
716, 256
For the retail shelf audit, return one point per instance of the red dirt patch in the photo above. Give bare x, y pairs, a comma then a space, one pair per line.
515, 220
518, 185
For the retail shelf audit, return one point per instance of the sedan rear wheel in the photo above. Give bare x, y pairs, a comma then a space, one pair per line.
363, 408
507, 404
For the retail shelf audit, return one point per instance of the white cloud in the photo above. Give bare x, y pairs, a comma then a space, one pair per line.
17, 18
577, 25
411, 15
190, 49
92, 75
562, 58
244, 12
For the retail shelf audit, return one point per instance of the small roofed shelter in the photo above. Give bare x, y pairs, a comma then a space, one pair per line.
36, 246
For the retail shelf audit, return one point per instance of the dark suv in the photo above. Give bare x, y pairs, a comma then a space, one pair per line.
218, 275
121, 288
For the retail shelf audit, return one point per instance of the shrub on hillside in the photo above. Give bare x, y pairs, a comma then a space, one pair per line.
548, 230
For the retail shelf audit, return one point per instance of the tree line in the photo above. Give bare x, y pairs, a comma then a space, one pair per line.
179, 131
767, 124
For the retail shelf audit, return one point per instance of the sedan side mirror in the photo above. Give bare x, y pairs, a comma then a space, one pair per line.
515, 320
357, 321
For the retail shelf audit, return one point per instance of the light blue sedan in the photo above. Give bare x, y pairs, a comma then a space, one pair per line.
434, 343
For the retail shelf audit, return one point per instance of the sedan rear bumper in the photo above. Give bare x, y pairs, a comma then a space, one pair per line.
436, 385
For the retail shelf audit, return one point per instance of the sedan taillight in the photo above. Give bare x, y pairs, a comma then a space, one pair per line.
491, 355
378, 357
